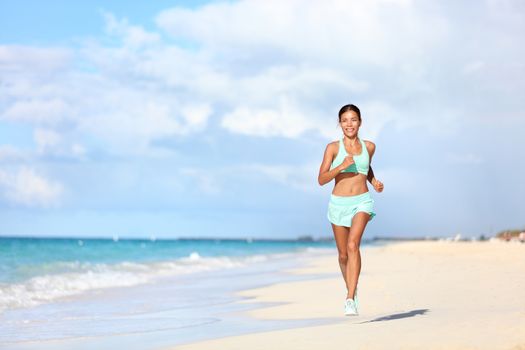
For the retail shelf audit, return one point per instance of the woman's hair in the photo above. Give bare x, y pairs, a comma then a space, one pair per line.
347, 108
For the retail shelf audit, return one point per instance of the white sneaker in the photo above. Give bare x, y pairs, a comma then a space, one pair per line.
350, 308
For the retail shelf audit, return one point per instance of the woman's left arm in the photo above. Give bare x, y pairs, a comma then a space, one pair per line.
378, 185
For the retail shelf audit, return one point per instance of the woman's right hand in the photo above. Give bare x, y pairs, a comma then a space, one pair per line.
349, 160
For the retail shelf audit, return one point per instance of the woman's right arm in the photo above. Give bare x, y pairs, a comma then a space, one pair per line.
325, 174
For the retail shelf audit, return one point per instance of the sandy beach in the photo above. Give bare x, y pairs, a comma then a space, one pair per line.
413, 295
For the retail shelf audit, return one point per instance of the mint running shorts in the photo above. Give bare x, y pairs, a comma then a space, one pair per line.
341, 209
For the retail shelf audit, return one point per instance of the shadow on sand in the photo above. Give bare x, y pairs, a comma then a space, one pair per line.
398, 316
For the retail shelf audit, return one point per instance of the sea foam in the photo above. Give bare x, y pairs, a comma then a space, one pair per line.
65, 279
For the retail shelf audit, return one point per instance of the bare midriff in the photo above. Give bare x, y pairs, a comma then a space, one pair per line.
350, 184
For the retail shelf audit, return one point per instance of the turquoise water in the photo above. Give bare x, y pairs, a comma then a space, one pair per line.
34, 271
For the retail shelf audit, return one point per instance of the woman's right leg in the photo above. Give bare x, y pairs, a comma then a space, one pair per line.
341, 234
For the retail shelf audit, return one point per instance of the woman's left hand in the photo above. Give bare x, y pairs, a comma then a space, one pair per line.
378, 185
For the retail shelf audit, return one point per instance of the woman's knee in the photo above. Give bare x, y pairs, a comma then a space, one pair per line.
343, 257
352, 247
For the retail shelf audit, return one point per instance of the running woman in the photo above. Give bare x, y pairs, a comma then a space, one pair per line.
351, 206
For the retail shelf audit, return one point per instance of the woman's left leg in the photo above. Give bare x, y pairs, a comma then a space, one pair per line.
353, 266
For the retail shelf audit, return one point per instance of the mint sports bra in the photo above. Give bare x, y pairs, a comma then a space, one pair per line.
361, 161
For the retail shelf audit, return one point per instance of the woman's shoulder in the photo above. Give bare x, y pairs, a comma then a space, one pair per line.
333, 144
370, 146
333, 147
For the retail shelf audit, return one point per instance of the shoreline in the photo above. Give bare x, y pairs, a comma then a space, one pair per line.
415, 294
168, 311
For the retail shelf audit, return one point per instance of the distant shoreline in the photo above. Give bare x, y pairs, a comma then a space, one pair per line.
248, 239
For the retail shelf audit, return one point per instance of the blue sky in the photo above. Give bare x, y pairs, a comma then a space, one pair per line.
210, 119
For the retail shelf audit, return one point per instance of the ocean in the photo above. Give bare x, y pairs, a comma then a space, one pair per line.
60, 293
38, 270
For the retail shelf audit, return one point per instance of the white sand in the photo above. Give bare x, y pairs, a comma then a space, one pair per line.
413, 295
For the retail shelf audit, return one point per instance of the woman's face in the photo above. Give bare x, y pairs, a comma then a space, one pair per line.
350, 123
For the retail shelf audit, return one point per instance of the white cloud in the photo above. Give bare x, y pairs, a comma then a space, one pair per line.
264, 69
131, 119
399, 49
51, 142
196, 116
25, 187
46, 139
132, 36
41, 111
345, 32
126, 115
301, 177
78, 150
287, 121
8, 153
21, 60
288, 100
314, 70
